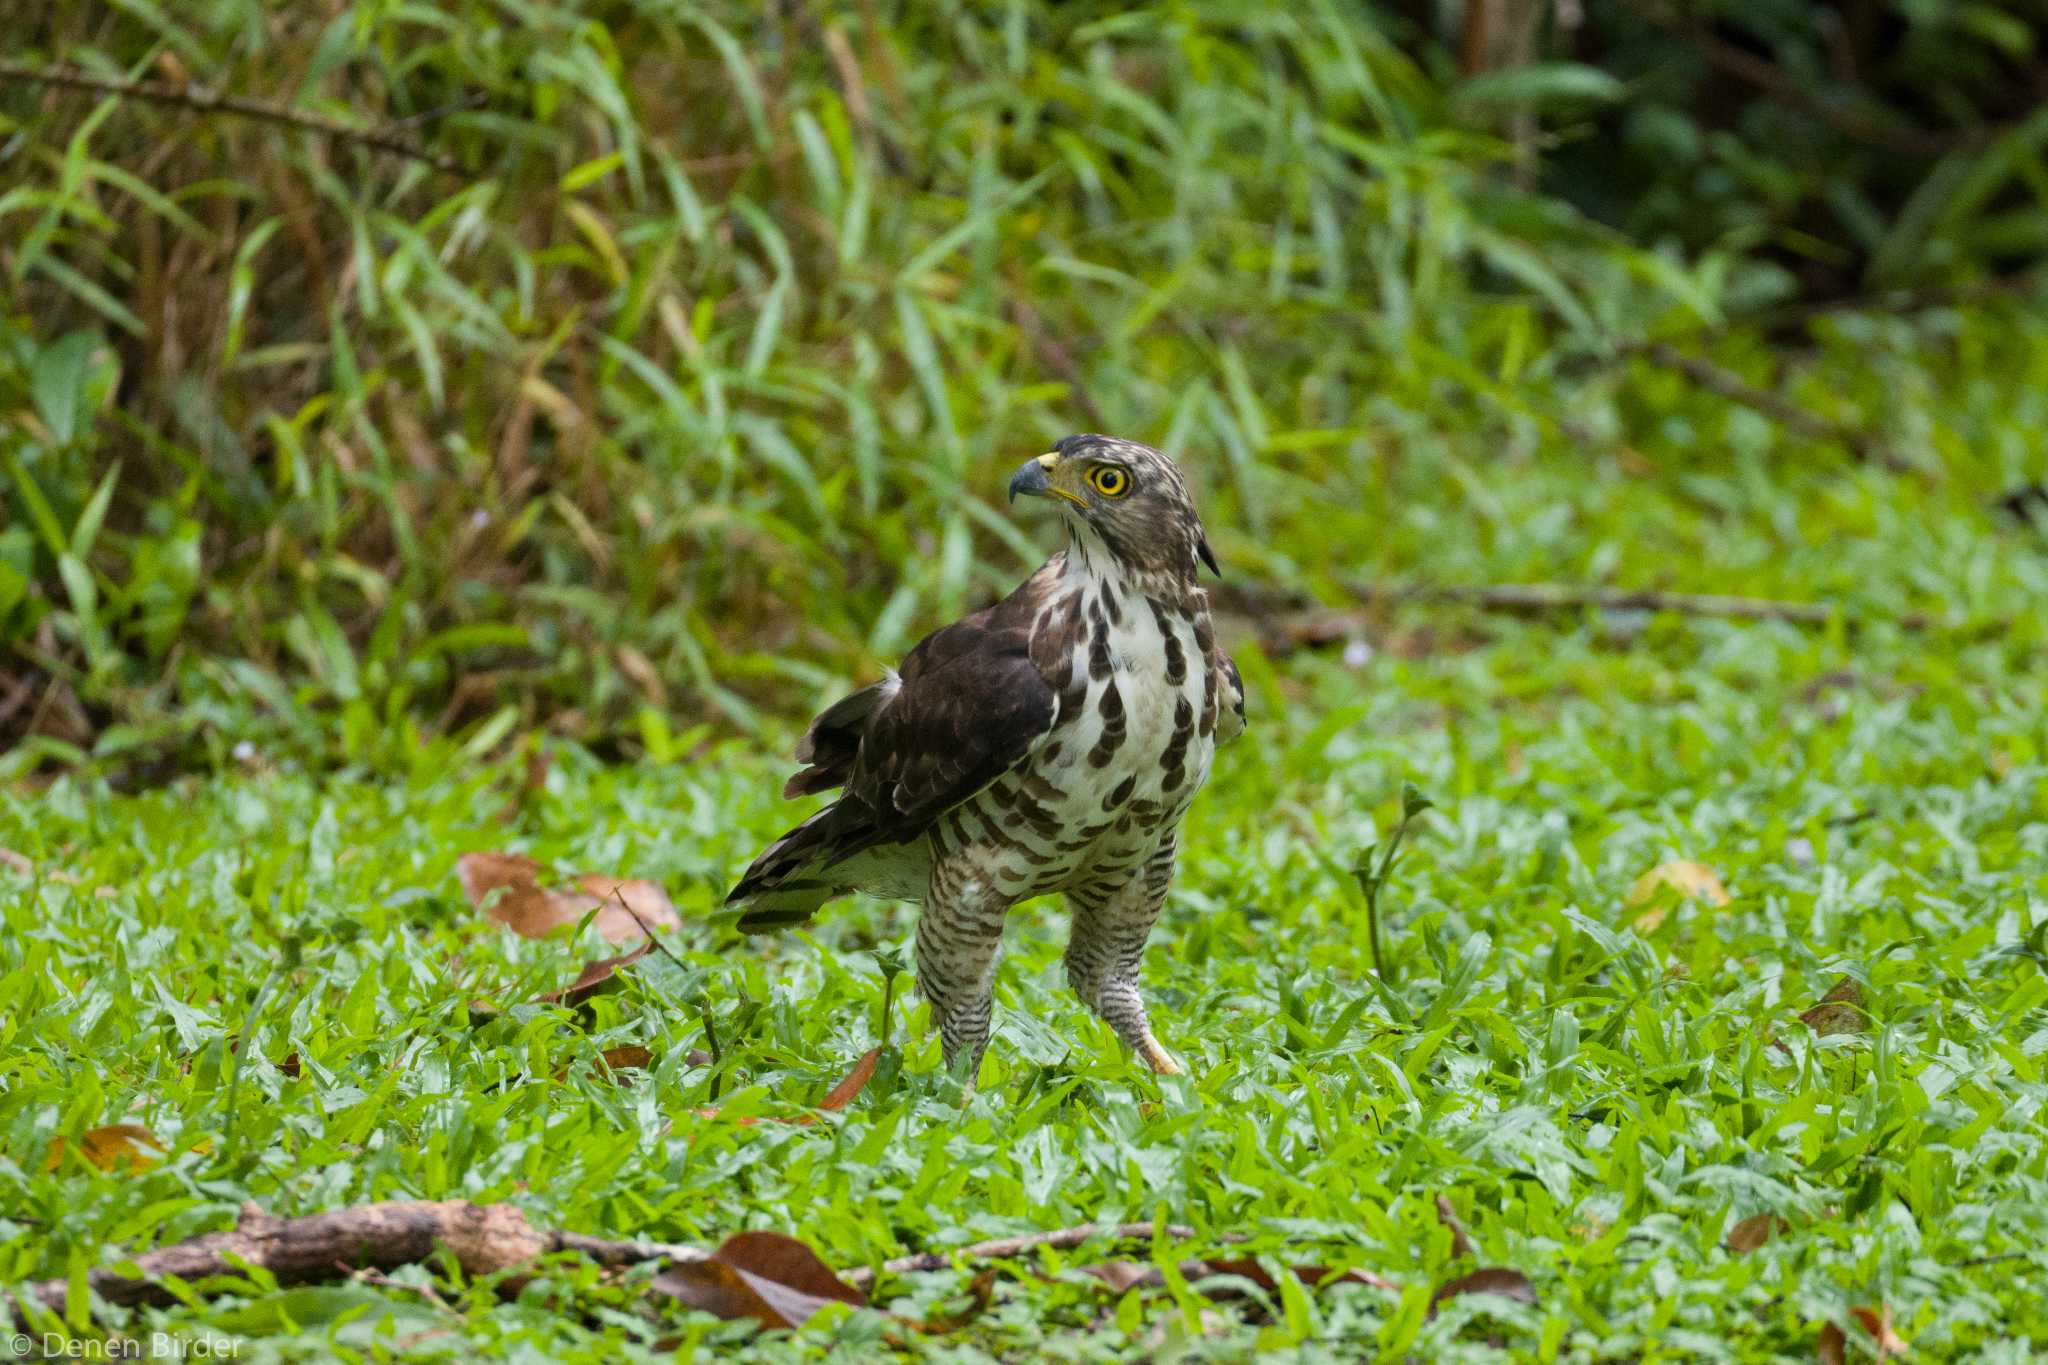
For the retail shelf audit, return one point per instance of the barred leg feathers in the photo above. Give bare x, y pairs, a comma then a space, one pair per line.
959, 937
1106, 946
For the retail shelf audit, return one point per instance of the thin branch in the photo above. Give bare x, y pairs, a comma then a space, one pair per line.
205, 101
1778, 408
647, 929
1004, 1248
1549, 597
1286, 624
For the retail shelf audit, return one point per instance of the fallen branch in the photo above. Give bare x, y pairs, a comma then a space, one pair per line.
484, 1239
1549, 597
1284, 625
1003, 1248
1778, 408
205, 101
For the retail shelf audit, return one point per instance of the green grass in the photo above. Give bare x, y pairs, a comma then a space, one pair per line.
332, 486
1600, 1104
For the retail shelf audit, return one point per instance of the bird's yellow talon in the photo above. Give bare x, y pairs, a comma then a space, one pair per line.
1162, 1061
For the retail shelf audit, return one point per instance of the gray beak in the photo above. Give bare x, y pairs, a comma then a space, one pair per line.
1029, 478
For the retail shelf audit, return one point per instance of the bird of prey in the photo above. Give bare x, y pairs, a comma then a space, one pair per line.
1051, 742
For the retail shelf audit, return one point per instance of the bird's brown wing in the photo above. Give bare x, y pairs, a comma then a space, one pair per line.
969, 705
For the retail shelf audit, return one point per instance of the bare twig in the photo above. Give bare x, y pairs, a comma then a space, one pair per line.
647, 929
1548, 597
1285, 626
1002, 1248
1778, 408
475, 99
205, 101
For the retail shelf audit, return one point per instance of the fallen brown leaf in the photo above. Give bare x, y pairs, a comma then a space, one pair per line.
1839, 1011
629, 1057
838, 1098
776, 1280
1493, 1279
1753, 1231
106, 1148
843, 1093
980, 1294
1690, 880
597, 977
22, 864
515, 887
1878, 1323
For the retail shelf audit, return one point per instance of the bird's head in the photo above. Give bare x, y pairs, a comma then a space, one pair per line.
1128, 496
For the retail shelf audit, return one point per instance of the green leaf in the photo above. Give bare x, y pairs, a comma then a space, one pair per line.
58, 383
1547, 87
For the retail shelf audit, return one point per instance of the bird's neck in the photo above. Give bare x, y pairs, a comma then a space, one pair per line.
1091, 563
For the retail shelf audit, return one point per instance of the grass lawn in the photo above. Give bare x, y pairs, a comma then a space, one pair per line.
1600, 1090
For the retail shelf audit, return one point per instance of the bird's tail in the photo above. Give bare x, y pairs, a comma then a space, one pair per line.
788, 882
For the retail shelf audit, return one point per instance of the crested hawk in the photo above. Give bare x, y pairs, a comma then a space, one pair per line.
1051, 742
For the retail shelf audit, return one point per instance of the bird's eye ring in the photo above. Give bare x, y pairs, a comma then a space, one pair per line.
1109, 481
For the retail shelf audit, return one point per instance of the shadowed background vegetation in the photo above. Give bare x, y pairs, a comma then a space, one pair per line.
677, 378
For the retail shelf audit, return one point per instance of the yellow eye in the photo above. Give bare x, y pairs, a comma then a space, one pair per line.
1109, 481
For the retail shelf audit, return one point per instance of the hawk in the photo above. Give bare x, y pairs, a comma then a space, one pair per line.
1051, 742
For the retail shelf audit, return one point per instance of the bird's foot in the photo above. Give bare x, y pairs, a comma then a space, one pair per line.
1159, 1059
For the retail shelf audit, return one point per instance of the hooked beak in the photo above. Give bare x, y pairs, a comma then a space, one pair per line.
1030, 477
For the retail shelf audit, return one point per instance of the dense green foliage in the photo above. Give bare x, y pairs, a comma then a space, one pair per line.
1600, 1104
333, 485
701, 373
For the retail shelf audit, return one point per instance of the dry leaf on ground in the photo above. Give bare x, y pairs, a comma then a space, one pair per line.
776, 1280
629, 1057
1497, 1280
1690, 880
597, 977
520, 897
1753, 1231
26, 867
1839, 1011
980, 1294
1834, 1343
116, 1144
840, 1096
843, 1093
